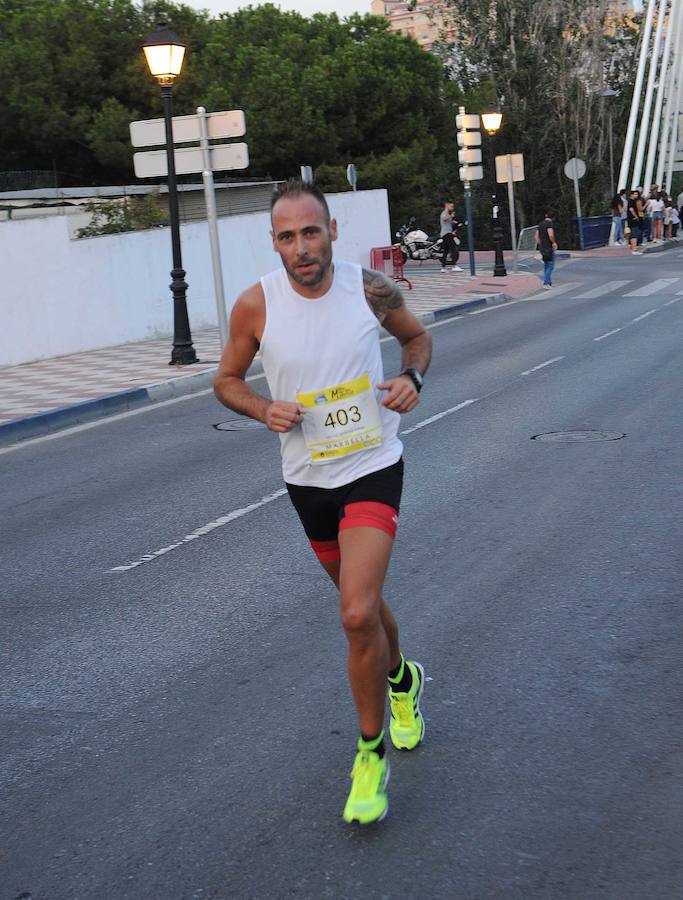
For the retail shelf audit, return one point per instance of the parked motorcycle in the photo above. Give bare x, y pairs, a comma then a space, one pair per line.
416, 244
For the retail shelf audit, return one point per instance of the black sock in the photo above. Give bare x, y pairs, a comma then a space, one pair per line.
400, 679
376, 743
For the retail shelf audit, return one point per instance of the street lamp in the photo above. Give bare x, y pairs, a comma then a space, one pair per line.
491, 120
165, 52
608, 94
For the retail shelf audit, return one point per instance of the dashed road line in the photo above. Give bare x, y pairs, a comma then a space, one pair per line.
608, 334
548, 362
644, 315
441, 415
205, 529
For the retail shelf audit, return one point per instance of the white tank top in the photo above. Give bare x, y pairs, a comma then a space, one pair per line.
323, 348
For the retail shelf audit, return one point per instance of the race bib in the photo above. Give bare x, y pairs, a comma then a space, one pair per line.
341, 420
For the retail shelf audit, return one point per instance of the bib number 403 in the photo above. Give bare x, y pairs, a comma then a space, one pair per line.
342, 417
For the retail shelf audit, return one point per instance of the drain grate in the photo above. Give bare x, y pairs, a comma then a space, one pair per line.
244, 423
578, 436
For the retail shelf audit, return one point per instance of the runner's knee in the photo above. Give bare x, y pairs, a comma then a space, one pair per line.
359, 616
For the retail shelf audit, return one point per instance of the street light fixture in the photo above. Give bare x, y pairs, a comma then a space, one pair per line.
165, 53
492, 119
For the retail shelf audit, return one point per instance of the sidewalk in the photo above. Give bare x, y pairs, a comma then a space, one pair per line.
614, 251
41, 397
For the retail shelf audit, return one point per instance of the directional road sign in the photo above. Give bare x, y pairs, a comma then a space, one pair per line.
510, 167
469, 139
469, 157
465, 120
471, 173
152, 132
190, 160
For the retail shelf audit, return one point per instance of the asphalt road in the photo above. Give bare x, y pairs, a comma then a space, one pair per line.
175, 720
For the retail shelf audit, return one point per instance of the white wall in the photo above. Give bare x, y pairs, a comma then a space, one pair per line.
63, 296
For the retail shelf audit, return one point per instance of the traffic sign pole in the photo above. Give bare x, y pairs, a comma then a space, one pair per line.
469, 171
212, 221
470, 229
513, 223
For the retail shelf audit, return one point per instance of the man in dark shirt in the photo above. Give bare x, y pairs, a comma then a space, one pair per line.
547, 244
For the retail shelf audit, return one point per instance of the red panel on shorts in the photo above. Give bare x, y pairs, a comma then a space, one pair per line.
367, 514
326, 551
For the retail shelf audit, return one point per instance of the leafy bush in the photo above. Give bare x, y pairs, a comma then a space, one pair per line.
118, 216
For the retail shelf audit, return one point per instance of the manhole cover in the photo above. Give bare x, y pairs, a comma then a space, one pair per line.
244, 423
578, 436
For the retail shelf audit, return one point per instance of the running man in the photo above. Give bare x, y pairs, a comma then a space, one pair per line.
317, 325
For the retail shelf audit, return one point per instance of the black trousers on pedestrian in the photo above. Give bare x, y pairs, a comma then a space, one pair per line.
449, 247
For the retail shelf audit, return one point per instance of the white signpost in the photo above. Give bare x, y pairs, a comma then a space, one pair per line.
576, 168
190, 160
206, 158
151, 132
510, 168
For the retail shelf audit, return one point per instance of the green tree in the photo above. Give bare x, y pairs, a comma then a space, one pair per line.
548, 65
317, 91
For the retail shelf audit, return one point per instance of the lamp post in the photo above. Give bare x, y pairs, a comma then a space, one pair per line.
165, 53
491, 120
608, 94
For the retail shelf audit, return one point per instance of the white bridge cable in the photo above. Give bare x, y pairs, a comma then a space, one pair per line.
665, 83
649, 91
635, 100
676, 114
672, 82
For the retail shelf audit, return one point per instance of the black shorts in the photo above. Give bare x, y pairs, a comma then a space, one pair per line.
371, 501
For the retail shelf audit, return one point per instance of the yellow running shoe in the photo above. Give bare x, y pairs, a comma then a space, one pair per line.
368, 798
407, 727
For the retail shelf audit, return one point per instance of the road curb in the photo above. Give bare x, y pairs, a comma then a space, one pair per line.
56, 420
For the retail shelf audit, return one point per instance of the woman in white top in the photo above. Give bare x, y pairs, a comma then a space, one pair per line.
658, 217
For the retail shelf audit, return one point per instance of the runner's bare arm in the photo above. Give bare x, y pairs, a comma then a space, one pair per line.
387, 303
246, 328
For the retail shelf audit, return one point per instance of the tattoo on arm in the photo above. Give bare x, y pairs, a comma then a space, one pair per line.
382, 294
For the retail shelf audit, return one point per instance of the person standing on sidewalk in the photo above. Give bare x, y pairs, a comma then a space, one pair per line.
547, 244
617, 220
634, 223
447, 226
317, 323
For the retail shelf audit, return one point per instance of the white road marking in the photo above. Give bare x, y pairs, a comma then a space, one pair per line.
652, 288
446, 412
603, 289
205, 529
675, 300
644, 315
609, 334
543, 365
678, 294
554, 291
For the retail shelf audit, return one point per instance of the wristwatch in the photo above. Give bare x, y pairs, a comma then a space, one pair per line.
415, 377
